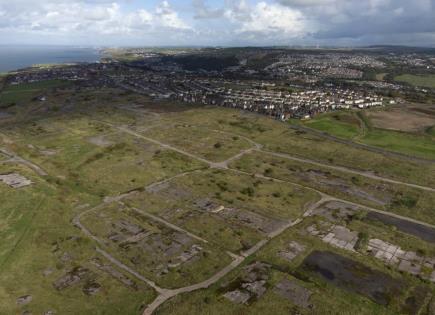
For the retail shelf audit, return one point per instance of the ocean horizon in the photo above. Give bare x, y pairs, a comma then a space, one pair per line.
18, 57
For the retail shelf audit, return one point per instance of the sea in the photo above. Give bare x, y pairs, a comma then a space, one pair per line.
18, 57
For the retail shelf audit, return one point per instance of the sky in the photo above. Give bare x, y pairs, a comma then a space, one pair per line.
217, 23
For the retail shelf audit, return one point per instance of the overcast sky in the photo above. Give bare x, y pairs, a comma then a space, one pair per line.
216, 23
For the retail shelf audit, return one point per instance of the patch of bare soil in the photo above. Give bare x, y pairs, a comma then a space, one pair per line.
100, 141
401, 119
294, 292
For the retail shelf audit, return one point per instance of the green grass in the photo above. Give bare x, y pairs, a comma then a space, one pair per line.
176, 204
40, 85
209, 144
341, 125
101, 224
418, 145
35, 222
427, 80
25, 92
395, 198
271, 199
133, 163
326, 298
345, 125
278, 137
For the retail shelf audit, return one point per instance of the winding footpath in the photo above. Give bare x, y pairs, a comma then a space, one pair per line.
166, 294
257, 147
13, 158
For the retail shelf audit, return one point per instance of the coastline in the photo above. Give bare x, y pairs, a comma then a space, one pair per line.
14, 58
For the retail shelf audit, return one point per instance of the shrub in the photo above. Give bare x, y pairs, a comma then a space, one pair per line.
248, 191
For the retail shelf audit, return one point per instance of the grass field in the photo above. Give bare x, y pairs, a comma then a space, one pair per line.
209, 260
209, 144
20, 93
389, 197
345, 125
177, 201
340, 124
325, 299
418, 145
41, 246
225, 211
84, 152
427, 80
278, 137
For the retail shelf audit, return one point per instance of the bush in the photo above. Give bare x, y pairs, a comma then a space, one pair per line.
248, 191
268, 171
363, 239
404, 200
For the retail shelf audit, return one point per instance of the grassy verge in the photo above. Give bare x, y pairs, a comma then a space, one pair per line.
417, 80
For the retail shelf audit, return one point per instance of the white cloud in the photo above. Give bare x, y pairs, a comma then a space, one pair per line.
233, 22
307, 3
202, 11
167, 17
267, 18
99, 17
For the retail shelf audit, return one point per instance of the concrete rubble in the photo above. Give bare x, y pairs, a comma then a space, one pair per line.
293, 250
251, 285
23, 300
15, 180
337, 235
407, 261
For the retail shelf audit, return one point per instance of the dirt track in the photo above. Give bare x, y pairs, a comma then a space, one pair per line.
166, 294
362, 146
13, 158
